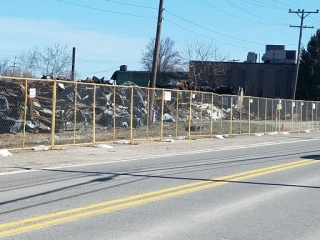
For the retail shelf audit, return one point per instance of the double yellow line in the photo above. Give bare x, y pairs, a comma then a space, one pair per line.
17, 227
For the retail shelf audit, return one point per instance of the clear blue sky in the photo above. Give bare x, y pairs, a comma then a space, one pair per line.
105, 38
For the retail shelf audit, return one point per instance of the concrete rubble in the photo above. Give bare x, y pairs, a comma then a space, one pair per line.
113, 106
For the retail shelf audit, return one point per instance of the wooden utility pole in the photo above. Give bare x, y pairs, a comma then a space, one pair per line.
155, 62
14, 66
73, 63
302, 14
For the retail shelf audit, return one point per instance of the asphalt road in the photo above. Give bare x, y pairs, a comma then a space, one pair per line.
266, 192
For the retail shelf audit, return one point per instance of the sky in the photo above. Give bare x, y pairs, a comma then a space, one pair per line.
109, 33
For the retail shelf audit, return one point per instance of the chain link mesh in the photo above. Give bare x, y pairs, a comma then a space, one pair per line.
140, 113
184, 113
12, 111
105, 109
91, 113
317, 115
170, 117
122, 117
65, 109
38, 124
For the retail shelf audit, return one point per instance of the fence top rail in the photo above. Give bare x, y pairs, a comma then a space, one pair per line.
148, 89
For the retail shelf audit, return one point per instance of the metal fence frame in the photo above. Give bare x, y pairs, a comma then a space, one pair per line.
193, 114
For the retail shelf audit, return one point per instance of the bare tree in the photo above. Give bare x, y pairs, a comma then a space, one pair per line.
54, 61
204, 62
4, 67
29, 62
169, 56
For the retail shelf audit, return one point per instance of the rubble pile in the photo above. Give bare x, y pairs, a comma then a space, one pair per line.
113, 106
39, 107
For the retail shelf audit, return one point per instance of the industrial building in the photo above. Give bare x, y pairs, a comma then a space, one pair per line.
273, 78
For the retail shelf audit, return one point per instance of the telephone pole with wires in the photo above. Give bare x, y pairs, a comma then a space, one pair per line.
155, 62
302, 14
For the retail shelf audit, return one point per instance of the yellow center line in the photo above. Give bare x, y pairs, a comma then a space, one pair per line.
147, 197
103, 204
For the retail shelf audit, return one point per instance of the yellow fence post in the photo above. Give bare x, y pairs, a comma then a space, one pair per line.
279, 113
292, 118
25, 114
316, 115
211, 118
265, 116
177, 114
131, 116
258, 99
301, 104
231, 116
312, 125
148, 113
307, 117
94, 115
190, 113
162, 112
272, 114
285, 114
53, 121
201, 123
114, 112
249, 115
221, 128
75, 112
240, 114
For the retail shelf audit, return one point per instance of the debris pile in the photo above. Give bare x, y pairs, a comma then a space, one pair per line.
112, 104
75, 106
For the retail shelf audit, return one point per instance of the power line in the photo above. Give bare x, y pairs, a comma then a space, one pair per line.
131, 5
210, 30
104, 61
103, 10
281, 3
246, 19
102, 71
229, 44
245, 10
261, 4
316, 20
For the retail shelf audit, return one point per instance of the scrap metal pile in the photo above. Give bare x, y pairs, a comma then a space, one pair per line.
74, 106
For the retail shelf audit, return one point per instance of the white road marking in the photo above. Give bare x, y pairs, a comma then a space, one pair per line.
165, 155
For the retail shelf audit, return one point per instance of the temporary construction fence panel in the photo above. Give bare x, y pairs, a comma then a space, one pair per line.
155, 127
54, 113
317, 115
123, 118
105, 112
170, 113
254, 115
202, 111
65, 119
39, 121
184, 111
140, 113
13, 111
217, 115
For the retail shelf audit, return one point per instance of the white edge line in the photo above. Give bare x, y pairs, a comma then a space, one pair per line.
164, 155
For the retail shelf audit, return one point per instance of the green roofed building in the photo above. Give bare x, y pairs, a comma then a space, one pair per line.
142, 78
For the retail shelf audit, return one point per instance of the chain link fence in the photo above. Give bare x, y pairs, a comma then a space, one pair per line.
56, 113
